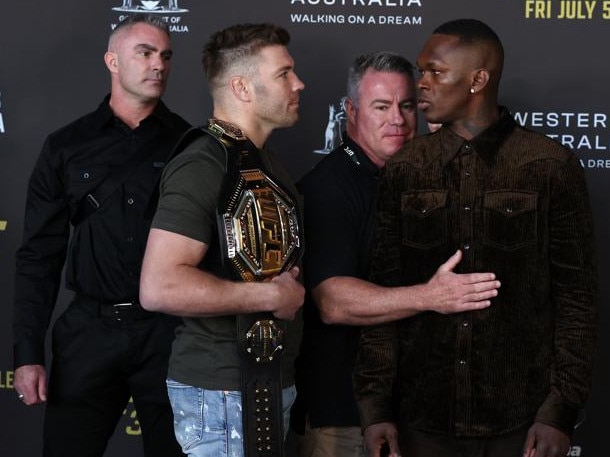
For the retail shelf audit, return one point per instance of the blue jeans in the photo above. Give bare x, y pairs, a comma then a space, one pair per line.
209, 423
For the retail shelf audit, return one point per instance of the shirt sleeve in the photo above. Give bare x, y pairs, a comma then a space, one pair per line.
574, 289
40, 258
374, 374
190, 189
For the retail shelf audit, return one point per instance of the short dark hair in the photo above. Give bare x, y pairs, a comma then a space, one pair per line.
141, 18
471, 31
383, 61
237, 43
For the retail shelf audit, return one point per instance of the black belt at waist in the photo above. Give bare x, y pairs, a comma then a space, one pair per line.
123, 311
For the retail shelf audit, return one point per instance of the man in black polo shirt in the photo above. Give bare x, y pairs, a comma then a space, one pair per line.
339, 195
100, 174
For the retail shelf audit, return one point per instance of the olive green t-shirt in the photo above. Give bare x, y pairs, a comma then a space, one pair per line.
205, 351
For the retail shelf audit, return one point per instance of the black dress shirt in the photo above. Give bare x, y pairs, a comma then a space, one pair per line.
516, 203
339, 200
104, 251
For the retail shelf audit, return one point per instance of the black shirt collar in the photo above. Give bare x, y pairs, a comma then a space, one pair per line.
486, 144
104, 116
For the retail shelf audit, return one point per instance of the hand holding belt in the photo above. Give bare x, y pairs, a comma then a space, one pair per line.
260, 237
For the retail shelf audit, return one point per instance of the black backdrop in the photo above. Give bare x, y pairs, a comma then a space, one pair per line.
51, 71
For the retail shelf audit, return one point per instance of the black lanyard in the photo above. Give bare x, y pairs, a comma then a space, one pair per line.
351, 154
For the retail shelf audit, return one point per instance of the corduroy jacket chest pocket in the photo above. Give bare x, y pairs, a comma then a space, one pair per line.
424, 218
510, 219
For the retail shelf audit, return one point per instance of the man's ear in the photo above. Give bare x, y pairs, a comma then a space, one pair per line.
480, 79
350, 109
112, 61
240, 87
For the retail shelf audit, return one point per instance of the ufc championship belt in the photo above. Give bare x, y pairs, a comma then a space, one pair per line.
260, 237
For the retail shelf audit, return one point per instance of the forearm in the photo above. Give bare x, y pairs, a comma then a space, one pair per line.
345, 300
351, 301
188, 291
172, 282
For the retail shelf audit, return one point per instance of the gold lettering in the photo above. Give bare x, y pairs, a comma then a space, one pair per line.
538, 9
6, 379
576, 9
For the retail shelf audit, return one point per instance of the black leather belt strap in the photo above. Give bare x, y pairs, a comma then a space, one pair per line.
124, 312
261, 344
253, 206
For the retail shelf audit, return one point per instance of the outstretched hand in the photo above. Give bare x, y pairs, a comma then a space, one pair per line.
451, 292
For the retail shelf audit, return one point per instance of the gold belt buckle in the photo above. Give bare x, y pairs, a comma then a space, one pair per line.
264, 340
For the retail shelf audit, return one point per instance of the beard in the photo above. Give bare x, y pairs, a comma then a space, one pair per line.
274, 108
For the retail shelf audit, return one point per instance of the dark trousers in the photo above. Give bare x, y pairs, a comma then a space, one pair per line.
98, 364
421, 444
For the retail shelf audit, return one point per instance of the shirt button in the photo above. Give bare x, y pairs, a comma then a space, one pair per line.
466, 207
462, 362
130, 201
130, 239
465, 324
466, 246
468, 173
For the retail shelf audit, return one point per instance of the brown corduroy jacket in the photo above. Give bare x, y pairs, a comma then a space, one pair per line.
516, 203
